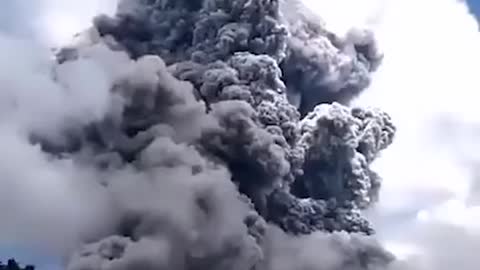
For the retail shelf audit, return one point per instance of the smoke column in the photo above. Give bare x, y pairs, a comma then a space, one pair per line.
142, 145
128, 220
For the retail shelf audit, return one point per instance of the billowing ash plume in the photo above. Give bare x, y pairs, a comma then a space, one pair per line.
322, 67
317, 66
225, 121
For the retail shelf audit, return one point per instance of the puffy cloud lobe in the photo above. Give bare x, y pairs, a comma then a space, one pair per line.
305, 216
318, 66
201, 30
339, 145
45, 102
179, 212
321, 68
337, 250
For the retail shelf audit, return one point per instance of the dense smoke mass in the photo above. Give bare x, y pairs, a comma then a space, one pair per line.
215, 134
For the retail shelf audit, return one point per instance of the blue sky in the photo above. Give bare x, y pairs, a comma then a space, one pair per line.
474, 6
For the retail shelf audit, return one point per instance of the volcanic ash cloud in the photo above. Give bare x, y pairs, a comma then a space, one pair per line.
215, 134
